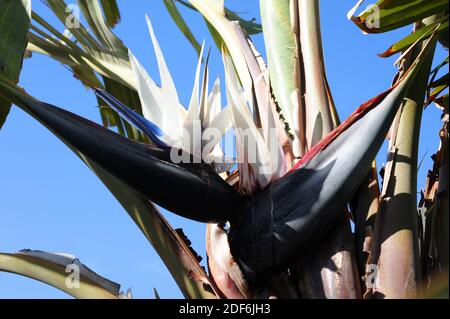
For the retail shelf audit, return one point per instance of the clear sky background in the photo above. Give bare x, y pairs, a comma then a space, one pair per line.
49, 200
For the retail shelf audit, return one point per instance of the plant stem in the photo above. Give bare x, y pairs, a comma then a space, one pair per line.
396, 247
318, 116
331, 270
366, 205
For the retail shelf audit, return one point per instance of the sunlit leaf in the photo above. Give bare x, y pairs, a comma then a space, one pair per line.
282, 54
62, 271
111, 11
181, 23
250, 26
215, 14
420, 34
387, 15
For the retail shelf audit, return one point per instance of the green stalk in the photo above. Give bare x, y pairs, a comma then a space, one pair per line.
332, 266
215, 14
319, 120
181, 24
282, 55
55, 275
366, 205
395, 250
111, 11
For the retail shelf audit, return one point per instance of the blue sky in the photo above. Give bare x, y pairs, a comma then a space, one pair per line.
49, 200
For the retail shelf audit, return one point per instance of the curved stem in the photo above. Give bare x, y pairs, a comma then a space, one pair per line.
53, 275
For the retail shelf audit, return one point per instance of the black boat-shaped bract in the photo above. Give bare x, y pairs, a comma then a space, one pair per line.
191, 190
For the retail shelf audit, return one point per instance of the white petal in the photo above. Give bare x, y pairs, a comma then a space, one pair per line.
258, 157
172, 123
149, 93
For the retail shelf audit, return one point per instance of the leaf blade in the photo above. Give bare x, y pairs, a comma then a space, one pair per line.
15, 20
52, 270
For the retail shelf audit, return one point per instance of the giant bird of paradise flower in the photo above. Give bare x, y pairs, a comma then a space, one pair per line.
290, 183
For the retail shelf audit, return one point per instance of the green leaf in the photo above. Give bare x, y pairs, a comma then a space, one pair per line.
387, 15
111, 11
443, 80
60, 271
213, 32
320, 115
64, 13
250, 26
91, 56
109, 59
442, 64
85, 69
214, 13
281, 50
438, 86
15, 18
92, 12
178, 19
443, 38
420, 34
